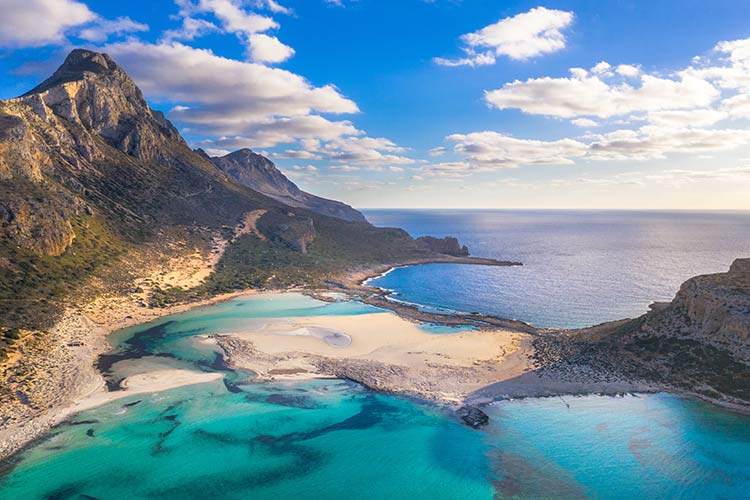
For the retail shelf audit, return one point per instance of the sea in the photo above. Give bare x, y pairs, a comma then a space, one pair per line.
580, 267
334, 439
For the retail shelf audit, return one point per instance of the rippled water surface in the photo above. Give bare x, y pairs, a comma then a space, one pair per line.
580, 267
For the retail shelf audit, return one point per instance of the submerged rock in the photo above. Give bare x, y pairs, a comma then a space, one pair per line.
473, 416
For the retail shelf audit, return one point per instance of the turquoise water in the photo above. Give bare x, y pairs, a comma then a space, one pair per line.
580, 267
330, 439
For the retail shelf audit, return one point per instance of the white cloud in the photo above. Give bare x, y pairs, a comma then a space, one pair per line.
526, 35
628, 70
584, 122
191, 29
737, 106
495, 150
282, 130
35, 23
223, 95
735, 72
104, 28
250, 27
653, 142
686, 118
265, 48
344, 168
603, 96
234, 19
305, 168
487, 151
274, 6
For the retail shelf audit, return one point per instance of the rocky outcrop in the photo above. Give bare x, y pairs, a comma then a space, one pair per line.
699, 342
713, 309
259, 173
448, 246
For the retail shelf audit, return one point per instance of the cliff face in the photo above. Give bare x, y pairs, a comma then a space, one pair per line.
713, 309
259, 173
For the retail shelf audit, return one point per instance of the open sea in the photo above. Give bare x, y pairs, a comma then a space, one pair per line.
331, 439
580, 267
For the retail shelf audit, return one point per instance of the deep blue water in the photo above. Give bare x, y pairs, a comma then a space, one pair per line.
580, 267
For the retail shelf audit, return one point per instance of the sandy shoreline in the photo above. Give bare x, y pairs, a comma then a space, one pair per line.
80, 336
385, 351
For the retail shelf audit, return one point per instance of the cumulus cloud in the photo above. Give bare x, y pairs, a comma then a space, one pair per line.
191, 29
526, 35
495, 150
601, 94
265, 48
653, 142
223, 94
584, 122
250, 27
35, 23
282, 130
102, 29
487, 151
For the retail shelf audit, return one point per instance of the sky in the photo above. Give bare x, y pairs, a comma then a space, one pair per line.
621, 104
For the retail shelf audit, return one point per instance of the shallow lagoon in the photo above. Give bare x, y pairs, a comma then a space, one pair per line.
334, 439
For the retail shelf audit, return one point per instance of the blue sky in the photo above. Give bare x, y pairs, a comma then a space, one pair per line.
446, 103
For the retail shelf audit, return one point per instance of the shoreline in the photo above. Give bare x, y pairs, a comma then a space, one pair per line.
89, 325
367, 372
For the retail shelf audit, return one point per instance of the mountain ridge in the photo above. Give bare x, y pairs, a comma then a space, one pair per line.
258, 172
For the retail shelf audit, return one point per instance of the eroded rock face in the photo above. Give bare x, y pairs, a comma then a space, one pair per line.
259, 173
711, 310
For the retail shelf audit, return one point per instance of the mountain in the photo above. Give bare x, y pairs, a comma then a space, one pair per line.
259, 173
91, 177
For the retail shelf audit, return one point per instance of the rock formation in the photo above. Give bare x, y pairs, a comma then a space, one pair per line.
448, 245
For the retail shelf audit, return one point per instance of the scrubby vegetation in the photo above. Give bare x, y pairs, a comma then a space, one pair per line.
33, 285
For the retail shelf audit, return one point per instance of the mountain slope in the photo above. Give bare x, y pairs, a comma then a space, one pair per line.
89, 174
259, 173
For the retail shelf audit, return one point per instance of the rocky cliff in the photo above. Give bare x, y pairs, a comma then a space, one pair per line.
259, 173
713, 309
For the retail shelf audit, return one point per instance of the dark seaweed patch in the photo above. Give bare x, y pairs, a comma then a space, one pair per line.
81, 422
292, 401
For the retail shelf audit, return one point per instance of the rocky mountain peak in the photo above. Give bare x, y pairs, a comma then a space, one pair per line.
76, 66
91, 90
